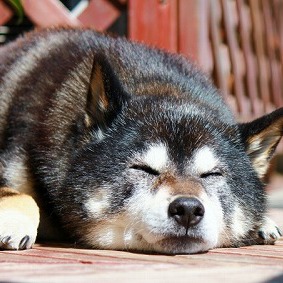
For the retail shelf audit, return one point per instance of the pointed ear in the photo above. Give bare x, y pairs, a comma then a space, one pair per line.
261, 138
106, 96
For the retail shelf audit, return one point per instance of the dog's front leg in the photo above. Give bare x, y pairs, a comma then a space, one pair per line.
19, 220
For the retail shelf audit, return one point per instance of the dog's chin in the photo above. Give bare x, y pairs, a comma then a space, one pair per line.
180, 245
117, 238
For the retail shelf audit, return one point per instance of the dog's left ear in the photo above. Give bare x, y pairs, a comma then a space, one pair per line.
106, 95
261, 138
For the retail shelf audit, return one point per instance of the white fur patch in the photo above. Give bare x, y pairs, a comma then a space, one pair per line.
212, 223
98, 204
205, 160
239, 224
16, 225
99, 135
116, 234
19, 218
153, 213
156, 156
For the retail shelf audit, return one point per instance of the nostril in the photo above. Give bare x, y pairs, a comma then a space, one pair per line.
199, 210
176, 208
187, 211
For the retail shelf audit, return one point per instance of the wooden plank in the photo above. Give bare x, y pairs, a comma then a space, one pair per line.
5, 13
258, 39
212, 267
188, 38
87, 273
214, 22
278, 9
99, 14
271, 49
193, 38
48, 13
245, 32
234, 51
154, 22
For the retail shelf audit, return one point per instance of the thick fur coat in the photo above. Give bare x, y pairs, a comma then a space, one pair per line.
122, 146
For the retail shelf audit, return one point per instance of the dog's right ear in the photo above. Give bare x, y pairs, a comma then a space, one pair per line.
261, 137
106, 96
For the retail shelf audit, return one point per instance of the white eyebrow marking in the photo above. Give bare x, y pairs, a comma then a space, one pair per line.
156, 156
205, 160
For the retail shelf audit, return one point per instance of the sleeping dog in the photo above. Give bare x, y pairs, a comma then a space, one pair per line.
122, 146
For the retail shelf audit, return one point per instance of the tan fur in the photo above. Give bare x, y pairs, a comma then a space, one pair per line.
98, 90
264, 142
179, 187
11, 199
7, 192
19, 218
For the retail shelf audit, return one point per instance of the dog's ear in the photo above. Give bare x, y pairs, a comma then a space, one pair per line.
106, 96
261, 138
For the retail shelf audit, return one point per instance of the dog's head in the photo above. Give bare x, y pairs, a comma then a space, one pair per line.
163, 174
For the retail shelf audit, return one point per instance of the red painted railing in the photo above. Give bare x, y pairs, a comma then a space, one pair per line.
238, 42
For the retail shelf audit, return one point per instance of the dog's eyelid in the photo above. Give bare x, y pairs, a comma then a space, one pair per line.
215, 172
145, 168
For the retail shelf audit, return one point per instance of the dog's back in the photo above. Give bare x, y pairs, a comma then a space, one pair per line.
45, 81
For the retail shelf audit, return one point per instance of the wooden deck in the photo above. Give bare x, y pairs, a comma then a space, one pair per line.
62, 263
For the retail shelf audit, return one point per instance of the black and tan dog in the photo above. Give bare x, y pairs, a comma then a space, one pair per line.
125, 147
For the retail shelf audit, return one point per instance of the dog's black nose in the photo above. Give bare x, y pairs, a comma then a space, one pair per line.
187, 211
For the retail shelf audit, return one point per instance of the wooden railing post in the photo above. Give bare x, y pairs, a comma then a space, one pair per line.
154, 22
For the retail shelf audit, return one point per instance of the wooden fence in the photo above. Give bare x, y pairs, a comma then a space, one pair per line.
238, 42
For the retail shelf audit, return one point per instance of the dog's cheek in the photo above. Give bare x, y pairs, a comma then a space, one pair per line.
241, 223
150, 209
237, 226
116, 232
103, 229
213, 223
106, 234
220, 217
108, 225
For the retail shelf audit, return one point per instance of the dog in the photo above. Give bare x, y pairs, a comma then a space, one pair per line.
126, 147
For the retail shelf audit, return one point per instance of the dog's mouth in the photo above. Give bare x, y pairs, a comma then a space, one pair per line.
185, 244
182, 245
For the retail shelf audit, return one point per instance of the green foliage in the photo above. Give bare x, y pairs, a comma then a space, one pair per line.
18, 8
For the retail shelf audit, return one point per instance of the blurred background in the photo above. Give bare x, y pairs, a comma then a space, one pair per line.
238, 43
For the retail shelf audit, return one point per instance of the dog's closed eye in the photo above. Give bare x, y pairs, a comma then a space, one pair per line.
216, 173
145, 168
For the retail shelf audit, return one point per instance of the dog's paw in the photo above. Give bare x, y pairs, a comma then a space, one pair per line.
269, 232
17, 230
